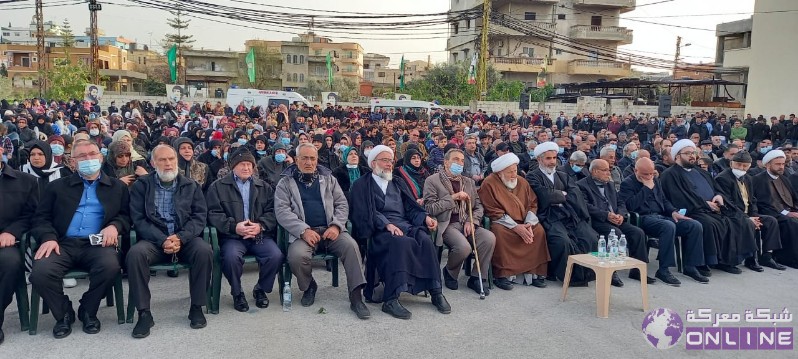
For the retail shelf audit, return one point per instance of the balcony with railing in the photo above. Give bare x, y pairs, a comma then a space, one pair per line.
623, 5
599, 67
605, 33
518, 64
499, 3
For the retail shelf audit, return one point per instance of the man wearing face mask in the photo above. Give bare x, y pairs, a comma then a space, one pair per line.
629, 156
564, 215
445, 196
73, 208
168, 211
575, 168
270, 168
728, 234
736, 185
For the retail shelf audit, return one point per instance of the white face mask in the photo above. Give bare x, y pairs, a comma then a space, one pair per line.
738, 173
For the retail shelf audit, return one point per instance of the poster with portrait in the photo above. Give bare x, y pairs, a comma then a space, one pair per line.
176, 93
93, 93
329, 98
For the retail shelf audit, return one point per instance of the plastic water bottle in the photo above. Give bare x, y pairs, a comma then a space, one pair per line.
602, 250
622, 251
287, 297
613, 249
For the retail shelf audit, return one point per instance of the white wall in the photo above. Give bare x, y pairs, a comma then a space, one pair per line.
772, 79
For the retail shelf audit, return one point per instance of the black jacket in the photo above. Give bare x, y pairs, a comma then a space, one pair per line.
642, 200
226, 207
20, 194
189, 205
553, 205
728, 185
341, 174
597, 205
61, 198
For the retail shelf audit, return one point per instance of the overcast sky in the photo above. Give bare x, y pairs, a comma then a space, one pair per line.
145, 25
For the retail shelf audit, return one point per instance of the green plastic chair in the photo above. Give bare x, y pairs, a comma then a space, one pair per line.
285, 275
131, 311
115, 294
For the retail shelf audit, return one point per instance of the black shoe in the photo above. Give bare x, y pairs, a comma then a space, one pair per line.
503, 283
261, 300
473, 283
142, 328
448, 280
91, 325
539, 282
751, 264
696, 275
395, 309
653, 243
551, 278
439, 301
310, 295
63, 327
728, 268
635, 275
360, 309
767, 261
196, 317
666, 277
172, 273
616, 280
240, 302
704, 271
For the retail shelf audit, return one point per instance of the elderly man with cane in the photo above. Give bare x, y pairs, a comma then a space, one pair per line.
447, 196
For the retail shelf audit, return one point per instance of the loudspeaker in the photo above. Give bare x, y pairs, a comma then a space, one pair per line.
664, 108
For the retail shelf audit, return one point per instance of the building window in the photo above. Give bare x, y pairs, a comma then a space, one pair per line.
288, 77
456, 27
529, 15
558, 51
366, 66
468, 24
465, 53
560, 16
301, 77
529, 51
288, 58
294, 77
301, 59
295, 60
454, 56
381, 74
318, 52
145, 60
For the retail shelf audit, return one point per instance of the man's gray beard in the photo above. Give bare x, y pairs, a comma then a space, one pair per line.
510, 184
166, 176
386, 175
548, 171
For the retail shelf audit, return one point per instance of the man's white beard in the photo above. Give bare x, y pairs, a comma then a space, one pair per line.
166, 176
386, 175
548, 171
510, 184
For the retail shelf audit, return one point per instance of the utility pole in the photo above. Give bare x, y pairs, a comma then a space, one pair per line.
482, 66
40, 46
94, 7
554, 22
678, 52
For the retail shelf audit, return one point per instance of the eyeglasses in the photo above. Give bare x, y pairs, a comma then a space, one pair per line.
87, 155
385, 160
691, 153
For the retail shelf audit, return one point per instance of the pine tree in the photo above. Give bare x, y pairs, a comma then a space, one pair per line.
179, 23
67, 37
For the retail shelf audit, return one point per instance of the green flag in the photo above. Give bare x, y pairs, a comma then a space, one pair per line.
251, 65
171, 59
402, 74
329, 70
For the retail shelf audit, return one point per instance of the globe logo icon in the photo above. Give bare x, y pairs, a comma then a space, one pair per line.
662, 328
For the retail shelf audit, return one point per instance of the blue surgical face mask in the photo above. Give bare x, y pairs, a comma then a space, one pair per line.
531, 153
262, 153
280, 157
560, 150
104, 151
633, 155
614, 147
765, 149
707, 152
286, 141
242, 141
225, 156
249, 132
343, 148
89, 167
576, 168
57, 149
215, 153
456, 169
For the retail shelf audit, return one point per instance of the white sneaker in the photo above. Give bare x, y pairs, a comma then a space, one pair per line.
70, 283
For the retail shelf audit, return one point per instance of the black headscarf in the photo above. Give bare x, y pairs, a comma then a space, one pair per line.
45, 171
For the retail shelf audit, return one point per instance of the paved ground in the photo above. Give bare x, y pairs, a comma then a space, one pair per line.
523, 323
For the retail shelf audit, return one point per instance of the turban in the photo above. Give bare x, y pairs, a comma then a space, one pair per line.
772, 155
506, 160
376, 151
680, 145
545, 147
